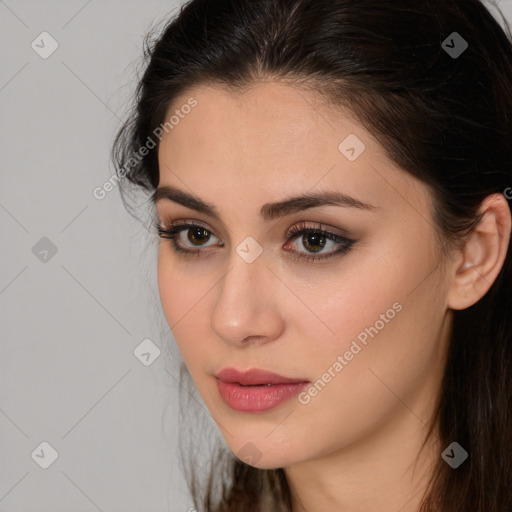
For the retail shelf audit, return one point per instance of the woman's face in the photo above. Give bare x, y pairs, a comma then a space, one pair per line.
365, 324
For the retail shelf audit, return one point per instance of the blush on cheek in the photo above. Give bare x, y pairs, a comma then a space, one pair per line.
363, 328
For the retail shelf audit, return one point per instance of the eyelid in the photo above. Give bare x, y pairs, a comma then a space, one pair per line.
190, 222
317, 226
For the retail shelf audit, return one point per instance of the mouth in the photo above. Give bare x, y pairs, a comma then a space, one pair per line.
256, 390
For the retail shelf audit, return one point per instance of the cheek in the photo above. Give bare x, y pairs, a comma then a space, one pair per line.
168, 284
379, 312
346, 305
183, 295
178, 294
387, 321
180, 285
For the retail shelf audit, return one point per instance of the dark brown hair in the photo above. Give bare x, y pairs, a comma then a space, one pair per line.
445, 119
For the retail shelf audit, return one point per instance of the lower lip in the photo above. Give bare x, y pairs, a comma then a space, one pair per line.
257, 398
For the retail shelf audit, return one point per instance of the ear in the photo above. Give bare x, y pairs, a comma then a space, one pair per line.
480, 260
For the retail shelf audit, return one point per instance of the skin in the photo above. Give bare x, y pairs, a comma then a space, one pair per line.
355, 445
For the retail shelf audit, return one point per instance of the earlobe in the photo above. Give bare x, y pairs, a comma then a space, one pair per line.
483, 254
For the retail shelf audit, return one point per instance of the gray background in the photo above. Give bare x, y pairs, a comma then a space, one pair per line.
70, 321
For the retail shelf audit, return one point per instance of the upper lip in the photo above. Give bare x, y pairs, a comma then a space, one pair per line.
254, 377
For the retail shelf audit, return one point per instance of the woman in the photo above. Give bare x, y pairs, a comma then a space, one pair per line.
330, 180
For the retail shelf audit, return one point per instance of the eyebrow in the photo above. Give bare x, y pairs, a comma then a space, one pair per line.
268, 211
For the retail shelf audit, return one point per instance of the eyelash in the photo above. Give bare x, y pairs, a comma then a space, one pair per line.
296, 231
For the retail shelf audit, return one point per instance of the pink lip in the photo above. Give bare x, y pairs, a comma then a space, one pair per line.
256, 390
255, 377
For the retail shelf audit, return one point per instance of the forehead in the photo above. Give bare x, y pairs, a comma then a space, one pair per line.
265, 120
272, 141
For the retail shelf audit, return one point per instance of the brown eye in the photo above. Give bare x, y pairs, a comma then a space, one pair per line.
314, 239
198, 235
314, 242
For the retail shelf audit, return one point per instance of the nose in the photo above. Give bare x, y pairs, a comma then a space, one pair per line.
247, 310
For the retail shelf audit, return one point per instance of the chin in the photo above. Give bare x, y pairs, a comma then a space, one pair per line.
264, 454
